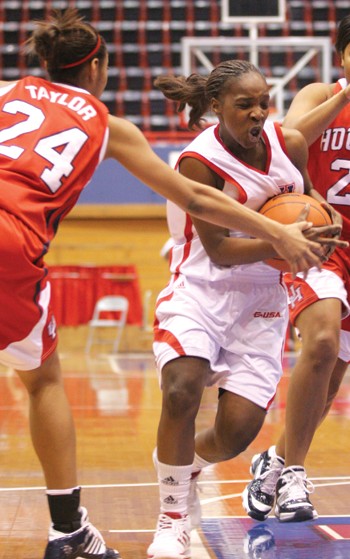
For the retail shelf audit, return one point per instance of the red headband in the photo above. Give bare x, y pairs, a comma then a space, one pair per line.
90, 55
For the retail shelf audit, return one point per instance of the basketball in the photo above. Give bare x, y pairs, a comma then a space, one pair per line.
285, 208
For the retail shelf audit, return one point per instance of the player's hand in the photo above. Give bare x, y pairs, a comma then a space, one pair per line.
334, 215
300, 252
327, 235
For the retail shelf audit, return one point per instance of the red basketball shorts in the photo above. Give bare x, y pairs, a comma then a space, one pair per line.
333, 281
27, 325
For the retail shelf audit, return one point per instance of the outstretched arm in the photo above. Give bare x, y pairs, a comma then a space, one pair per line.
313, 109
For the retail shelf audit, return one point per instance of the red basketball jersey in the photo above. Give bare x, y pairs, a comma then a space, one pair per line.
52, 137
329, 165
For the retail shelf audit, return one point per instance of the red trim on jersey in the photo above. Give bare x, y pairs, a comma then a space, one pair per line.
167, 298
166, 337
281, 138
270, 402
242, 196
188, 233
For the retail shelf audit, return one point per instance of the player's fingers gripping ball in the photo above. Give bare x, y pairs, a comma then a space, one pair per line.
286, 209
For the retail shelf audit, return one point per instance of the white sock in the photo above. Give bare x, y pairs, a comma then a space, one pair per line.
174, 487
199, 463
273, 454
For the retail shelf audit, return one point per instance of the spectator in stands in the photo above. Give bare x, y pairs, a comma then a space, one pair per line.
54, 134
222, 318
318, 304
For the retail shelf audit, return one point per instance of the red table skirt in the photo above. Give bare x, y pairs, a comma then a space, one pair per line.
75, 290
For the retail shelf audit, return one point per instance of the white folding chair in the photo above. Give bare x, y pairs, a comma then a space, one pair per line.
109, 303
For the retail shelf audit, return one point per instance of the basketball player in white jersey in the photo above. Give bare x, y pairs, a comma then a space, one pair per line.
222, 318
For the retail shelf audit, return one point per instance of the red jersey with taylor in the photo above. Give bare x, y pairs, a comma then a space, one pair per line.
52, 138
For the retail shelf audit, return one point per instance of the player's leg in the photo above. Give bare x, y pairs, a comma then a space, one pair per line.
183, 382
51, 420
53, 437
237, 423
315, 306
319, 327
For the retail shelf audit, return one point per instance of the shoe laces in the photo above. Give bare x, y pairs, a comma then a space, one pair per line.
270, 475
178, 527
296, 485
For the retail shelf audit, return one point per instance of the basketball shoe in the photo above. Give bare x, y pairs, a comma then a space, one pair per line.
172, 538
84, 543
292, 496
259, 496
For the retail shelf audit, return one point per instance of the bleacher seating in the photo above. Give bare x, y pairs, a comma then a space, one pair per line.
144, 41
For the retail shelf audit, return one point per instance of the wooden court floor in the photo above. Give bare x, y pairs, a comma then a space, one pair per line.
116, 404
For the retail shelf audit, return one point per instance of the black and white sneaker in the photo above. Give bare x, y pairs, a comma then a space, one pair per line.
84, 543
292, 496
259, 496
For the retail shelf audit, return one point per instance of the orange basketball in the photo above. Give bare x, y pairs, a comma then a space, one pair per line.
286, 208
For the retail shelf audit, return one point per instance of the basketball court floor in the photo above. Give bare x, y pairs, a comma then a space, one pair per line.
116, 404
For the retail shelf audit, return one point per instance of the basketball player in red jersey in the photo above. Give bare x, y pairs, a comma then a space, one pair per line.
318, 305
53, 135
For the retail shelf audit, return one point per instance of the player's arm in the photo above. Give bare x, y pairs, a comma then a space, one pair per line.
313, 109
222, 249
128, 146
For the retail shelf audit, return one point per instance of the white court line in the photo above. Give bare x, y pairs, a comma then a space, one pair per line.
332, 533
198, 551
332, 481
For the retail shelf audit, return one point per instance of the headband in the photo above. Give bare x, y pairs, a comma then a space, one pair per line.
90, 55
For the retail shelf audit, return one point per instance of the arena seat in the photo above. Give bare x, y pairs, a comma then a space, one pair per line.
144, 41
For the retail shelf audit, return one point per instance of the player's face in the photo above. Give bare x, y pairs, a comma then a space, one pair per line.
242, 110
345, 62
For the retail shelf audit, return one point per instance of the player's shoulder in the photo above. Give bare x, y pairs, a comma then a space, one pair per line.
317, 90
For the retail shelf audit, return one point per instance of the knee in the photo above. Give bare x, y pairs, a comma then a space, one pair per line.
181, 399
183, 382
46, 376
322, 349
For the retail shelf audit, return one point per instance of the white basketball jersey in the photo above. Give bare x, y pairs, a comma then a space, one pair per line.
248, 185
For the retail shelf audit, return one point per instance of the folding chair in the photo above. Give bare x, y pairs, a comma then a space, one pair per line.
109, 304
